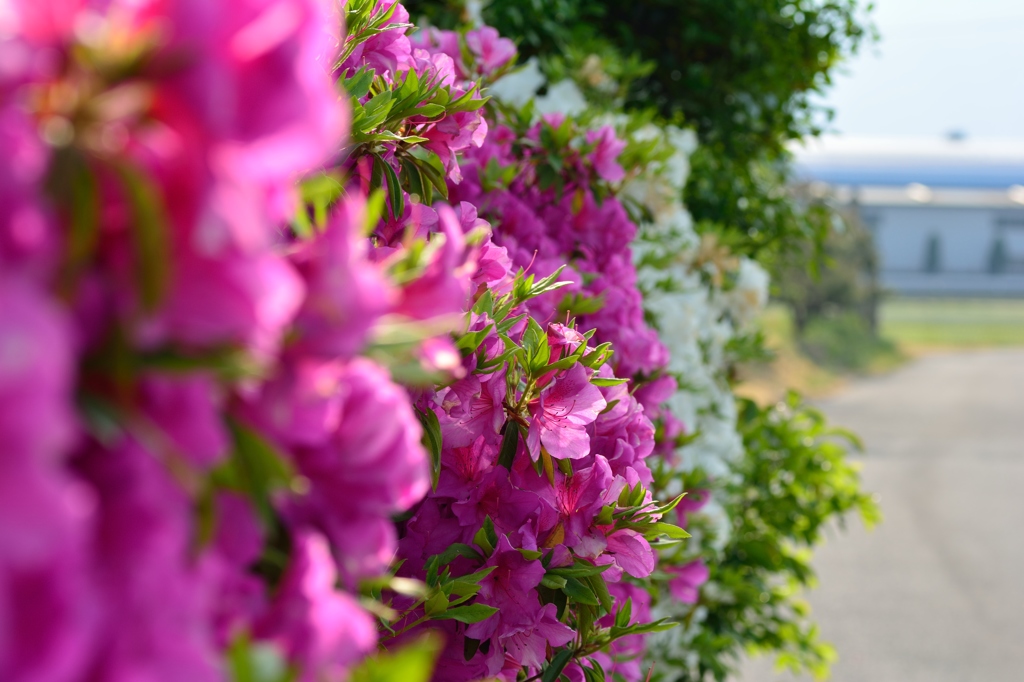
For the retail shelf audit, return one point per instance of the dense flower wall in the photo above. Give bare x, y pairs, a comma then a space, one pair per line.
204, 443
311, 353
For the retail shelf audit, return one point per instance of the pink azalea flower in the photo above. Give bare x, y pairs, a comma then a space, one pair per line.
632, 553
606, 153
495, 496
693, 502
462, 468
29, 240
447, 42
257, 51
157, 599
439, 355
302, 404
527, 643
624, 433
49, 612
473, 407
46, 21
563, 340
323, 630
36, 373
187, 409
237, 544
491, 50
373, 461
240, 299
511, 588
387, 52
685, 586
45, 516
346, 293
455, 133
561, 413
430, 531
443, 289
578, 498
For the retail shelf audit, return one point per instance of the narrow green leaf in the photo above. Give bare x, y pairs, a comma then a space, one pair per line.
557, 665
456, 550
432, 441
578, 592
603, 381
509, 445
151, 234
600, 588
473, 613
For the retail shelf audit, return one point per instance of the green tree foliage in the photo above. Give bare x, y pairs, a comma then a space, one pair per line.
848, 280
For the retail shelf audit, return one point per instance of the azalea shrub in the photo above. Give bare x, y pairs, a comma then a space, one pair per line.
318, 363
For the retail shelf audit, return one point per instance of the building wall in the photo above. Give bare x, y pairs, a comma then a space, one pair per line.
949, 250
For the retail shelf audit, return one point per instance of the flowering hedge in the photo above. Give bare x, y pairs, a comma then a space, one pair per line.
309, 351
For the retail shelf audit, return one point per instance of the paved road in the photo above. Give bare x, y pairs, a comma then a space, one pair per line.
936, 593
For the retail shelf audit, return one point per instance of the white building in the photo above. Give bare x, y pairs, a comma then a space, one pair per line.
947, 214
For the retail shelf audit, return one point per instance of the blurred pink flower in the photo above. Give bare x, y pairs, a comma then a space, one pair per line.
685, 586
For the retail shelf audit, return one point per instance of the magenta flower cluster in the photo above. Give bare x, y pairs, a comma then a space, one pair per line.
162, 332
222, 383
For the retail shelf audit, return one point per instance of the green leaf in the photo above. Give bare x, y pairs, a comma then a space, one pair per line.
151, 236
509, 445
473, 613
553, 581
600, 589
396, 198
535, 343
432, 168
255, 662
428, 111
594, 673
581, 569
415, 182
358, 85
412, 663
256, 466
483, 541
580, 593
470, 341
603, 381
469, 585
623, 615
368, 116
73, 185
643, 628
456, 550
436, 605
374, 210
557, 665
432, 441
674, 532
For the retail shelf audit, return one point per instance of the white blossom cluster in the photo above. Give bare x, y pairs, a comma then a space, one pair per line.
700, 299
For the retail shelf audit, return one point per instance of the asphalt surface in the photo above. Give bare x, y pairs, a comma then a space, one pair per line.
935, 593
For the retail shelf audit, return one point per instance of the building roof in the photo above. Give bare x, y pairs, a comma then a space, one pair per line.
995, 164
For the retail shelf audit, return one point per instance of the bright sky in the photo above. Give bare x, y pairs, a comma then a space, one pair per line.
940, 65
